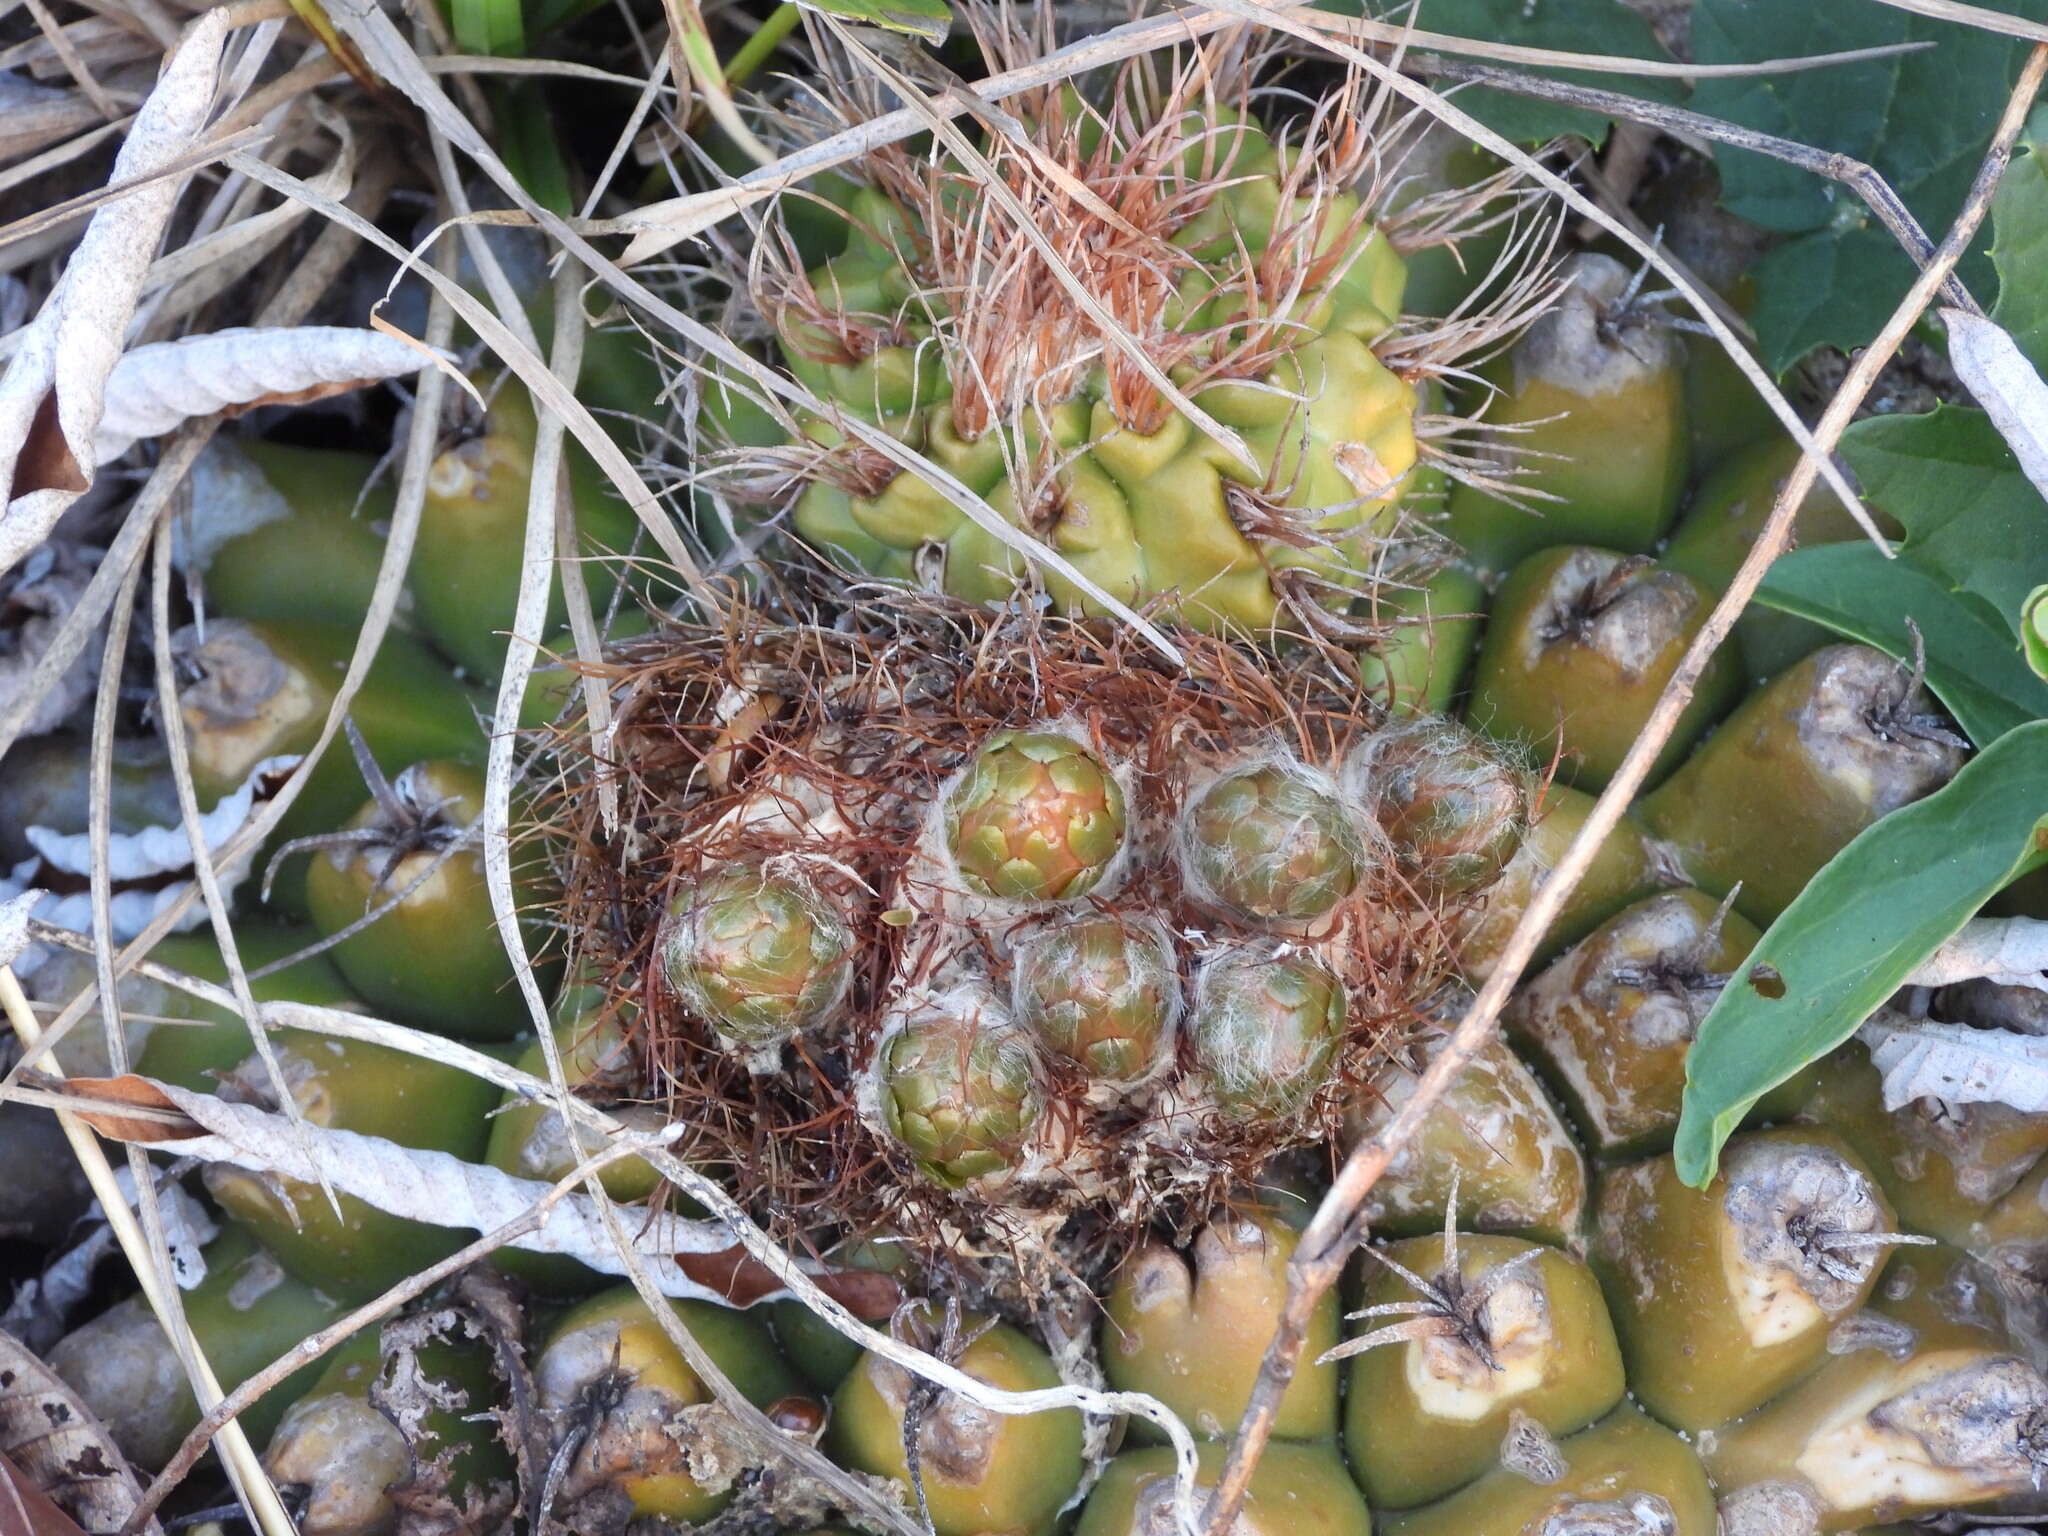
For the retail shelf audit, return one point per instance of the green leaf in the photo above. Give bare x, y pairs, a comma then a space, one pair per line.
1972, 665
1922, 119
493, 27
926, 19
1604, 27
1971, 517
1876, 910
2019, 243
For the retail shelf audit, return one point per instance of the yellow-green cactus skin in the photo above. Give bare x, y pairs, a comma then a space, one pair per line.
1624, 1474
1066, 438
1526, 1332
1192, 1329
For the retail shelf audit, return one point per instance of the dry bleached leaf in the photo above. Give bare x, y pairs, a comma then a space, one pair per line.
1958, 1063
154, 388
1991, 364
51, 394
52, 1437
2007, 951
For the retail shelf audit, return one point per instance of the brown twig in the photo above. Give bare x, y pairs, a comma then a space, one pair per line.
1329, 1239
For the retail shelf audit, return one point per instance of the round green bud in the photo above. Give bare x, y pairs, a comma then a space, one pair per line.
1269, 842
1036, 817
761, 955
1103, 992
959, 1087
1265, 1029
1453, 805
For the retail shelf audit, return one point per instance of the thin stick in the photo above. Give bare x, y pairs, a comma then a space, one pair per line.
1332, 1234
236, 1453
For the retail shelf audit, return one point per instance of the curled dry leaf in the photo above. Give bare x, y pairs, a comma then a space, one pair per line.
1958, 1063
149, 868
686, 1258
34, 598
1995, 370
63, 1451
2007, 951
154, 388
51, 394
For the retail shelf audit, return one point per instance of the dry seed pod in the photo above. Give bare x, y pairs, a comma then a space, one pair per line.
1271, 841
1870, 1437
1489, 1327
1295, 1490
1578, 648
1595, 394
1611, 1021
759, 954
1626, 1476
1035, 817
1192, 1329
1495, 1146
1724, 1296
1265, 1028
1942, 1165
1454, 807
980, 1471
1801, 767
958, 1085
1102, 992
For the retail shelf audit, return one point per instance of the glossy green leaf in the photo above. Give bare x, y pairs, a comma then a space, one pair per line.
1972, 519
2019, 242
1923, 119
1874, 912
926, 19
1972, 664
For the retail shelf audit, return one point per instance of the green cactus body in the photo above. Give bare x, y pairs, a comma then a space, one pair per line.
1102, 992
1495, 1141
1612, 1021
959, 1088
1268, 843
1626, 1474
1596, 396
1192, 1329
1036, 817
1801, 767
1295, 1490
1048, 420
1526, 1332
1578, 648
982, 1472
1725, 1296
1720, 527
1419, 667
1265, 1029
762, 955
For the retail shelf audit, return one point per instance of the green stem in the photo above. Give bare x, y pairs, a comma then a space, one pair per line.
755, 51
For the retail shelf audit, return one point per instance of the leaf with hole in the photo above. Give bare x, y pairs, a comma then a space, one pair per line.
1874, 913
